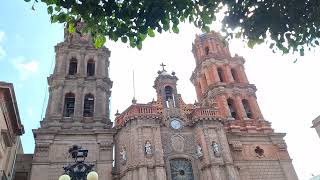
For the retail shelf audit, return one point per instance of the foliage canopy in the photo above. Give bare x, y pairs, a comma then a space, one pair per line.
286, 25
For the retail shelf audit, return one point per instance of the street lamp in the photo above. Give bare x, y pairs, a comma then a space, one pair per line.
79, 170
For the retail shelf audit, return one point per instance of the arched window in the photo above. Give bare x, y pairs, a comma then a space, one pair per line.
232, 110
220, 74
88, 107
69, 100
168, 92
90, 68
247, 108
234, 75
207, 50
73, 66
181, 169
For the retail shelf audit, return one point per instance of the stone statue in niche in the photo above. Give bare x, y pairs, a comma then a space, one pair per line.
199, 151
216, 149
148, 148
123, 154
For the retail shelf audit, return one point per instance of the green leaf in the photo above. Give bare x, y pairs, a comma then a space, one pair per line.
99, 41
57, 8
50, 10
139, 45
206, 29
175, 29
316, 42
301, 52
251, 43
71, 28
124, 39
150, 32
27, 0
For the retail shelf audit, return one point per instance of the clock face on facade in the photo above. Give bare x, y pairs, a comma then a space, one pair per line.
175, 124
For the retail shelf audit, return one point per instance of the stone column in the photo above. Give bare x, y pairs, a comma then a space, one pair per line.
208, 174
78, 104
82, 66
215, 73
135, 174
57, 99
143, 173
203, 84
223, 105
239, 108
98, 103
208, 76
230, 169
216, 172
229, 77
99, 66
160, 173
255, 108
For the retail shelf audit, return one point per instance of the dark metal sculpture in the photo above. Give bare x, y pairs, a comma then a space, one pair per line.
79, 170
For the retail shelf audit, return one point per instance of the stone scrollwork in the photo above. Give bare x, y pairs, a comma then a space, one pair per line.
236, 145
177, 143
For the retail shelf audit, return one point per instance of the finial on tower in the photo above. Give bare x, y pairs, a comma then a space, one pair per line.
163, 65
134, 101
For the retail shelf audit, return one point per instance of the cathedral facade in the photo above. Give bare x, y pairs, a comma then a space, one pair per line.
223, 136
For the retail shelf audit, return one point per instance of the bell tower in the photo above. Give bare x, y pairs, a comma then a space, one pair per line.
166, 87
78, 109
220, 79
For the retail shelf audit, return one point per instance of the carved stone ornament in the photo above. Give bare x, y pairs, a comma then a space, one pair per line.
282, 146
236, 145
42, 150
259, 152
104, 145
123, 155
216, 149
199, 152
148, 148
177, 143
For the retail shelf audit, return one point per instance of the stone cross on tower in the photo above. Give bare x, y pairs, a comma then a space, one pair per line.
163, 65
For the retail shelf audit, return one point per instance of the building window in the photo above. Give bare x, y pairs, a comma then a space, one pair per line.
168, 92
234, 75
247, 108
232, 110
73, 66
69, 100
90, 68
181, 169
88, 107
220, 74
207, 50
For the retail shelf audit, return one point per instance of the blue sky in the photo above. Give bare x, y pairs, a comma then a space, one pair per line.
288, 93
26, 54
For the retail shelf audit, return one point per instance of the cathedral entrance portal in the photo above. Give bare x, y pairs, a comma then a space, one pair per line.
181, 169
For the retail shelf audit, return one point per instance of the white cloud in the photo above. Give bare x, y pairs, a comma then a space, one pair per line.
25, 67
